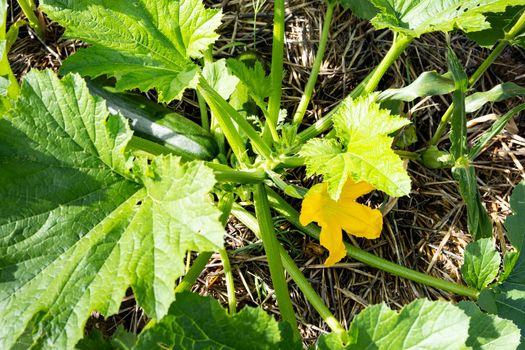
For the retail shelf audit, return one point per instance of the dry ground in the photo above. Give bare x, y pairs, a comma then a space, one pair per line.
425, 231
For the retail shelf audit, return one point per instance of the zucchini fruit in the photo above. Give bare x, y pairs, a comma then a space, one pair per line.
155, 122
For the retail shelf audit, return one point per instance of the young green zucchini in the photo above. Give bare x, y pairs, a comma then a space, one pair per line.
157, 123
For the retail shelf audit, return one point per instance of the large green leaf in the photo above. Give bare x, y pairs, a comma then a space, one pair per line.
500, 24
195, 322
489, 332
507, 300
421, 324
363, 150
81, 220
416, 17
481, 264
145, 44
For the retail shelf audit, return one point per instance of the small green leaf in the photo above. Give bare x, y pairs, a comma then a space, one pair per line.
488, 332
498, 93
481, 263
219, 78
416, 17
363, 151
195, 322
81, 220
427, 84
255, 78
422, 324
145, 44
478, 220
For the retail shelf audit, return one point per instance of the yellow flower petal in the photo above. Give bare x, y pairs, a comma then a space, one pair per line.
332, 239
345, 214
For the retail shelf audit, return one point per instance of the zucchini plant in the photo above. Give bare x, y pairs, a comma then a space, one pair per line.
102, 190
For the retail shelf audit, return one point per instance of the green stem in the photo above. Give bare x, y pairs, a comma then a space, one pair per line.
225, 115
368, 85
271, 247
516, 29
304, 285
194, 272
5, 69
276, 73
292, 215
203, 109
28, 8
230, 285
223, 173
316, 68
399, 45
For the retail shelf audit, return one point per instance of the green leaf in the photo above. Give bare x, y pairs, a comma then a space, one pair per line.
481, 263
255, 78
219, 78
195, 322
507, 300
81, 220
422, 324
145, 44
500, 23
416, 17
363, 150
515, 223
364, 9
427, 84
478, 220
120, 340
489, 332
498, 93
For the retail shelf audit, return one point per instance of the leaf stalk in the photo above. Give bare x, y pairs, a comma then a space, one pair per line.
292, 216
272, 247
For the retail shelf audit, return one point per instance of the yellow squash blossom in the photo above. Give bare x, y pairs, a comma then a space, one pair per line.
345, 214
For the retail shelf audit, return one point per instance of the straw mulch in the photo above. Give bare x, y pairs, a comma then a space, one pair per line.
425, 231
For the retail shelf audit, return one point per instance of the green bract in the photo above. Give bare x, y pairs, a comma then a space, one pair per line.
81, 219
145, 44
416, 17
362, 151
195, 322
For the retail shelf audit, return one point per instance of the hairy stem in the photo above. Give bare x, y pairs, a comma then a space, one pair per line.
194, 272
316, 68
230, 284
28, 8
289, 265
226, 115
276, 73
368, 85
271, 247
292, 216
